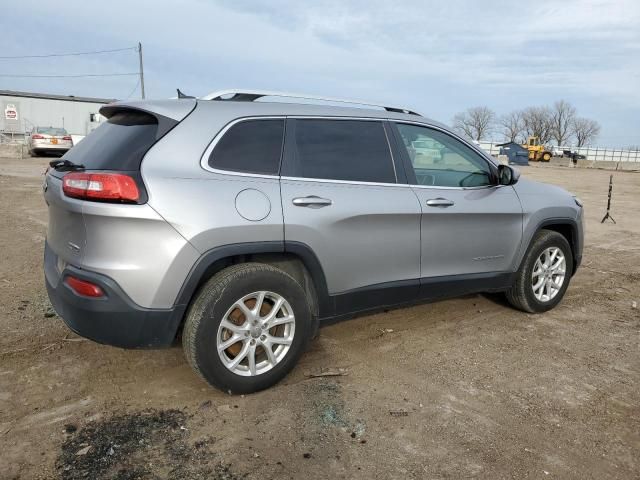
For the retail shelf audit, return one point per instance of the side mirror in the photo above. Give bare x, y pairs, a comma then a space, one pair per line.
507, 175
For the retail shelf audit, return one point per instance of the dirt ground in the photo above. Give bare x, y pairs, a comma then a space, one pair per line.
456, 389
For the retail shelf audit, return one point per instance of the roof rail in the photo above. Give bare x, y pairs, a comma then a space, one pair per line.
252, 95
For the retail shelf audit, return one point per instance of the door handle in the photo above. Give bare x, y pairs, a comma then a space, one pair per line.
439, 202
311, 201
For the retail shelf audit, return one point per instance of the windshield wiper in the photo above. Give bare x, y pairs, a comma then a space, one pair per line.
65, 165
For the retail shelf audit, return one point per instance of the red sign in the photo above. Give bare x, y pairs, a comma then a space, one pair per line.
11, 112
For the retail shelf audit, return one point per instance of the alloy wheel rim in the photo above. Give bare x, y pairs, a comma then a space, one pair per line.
548, 274
255, 333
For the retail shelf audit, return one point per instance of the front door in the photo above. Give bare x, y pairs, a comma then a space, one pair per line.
471, 227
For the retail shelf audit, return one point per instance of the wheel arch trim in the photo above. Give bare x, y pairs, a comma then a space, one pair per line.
574, 241
206, 265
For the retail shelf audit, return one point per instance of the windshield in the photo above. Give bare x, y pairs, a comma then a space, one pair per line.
51, 131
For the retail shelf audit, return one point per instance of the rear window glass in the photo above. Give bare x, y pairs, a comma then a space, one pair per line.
250, 146
51, 131
350, 150
117, 144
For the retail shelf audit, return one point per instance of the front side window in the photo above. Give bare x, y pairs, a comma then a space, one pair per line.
441, 160
250, 146
349, 150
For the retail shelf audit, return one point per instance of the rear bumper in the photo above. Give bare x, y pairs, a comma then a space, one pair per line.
113, 319
50, 146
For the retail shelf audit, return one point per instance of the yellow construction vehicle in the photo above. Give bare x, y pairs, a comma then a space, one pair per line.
537, 151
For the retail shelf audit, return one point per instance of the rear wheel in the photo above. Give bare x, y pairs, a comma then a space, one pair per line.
247, 328
544, 274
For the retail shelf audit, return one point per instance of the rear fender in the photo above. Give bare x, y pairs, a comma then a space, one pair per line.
220, 257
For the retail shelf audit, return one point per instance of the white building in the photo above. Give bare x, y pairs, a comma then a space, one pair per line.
20, 112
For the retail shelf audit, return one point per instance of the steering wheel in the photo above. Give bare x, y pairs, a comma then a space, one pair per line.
470, 175
426, 179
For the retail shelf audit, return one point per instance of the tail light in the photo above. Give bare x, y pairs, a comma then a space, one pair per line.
37, 137
84, 288
66, 137
101, 187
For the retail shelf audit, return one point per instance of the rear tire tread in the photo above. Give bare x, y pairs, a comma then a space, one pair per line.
212, 292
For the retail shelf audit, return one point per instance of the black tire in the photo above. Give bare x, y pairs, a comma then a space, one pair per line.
521, 295
209, 307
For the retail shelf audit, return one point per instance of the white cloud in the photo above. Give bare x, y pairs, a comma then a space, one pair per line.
440, 57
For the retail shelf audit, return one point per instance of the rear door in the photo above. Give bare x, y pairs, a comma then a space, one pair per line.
470, 226
342, 199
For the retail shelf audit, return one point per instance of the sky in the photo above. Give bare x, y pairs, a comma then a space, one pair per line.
436, 57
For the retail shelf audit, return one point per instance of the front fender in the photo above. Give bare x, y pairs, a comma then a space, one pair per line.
545, 205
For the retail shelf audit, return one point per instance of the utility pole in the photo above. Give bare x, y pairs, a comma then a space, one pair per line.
141, 70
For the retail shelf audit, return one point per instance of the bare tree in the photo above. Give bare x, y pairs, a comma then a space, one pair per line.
585, 130
537, 123
475, 123
512, 125
562, 116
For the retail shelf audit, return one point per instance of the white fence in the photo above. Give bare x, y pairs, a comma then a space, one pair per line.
11, 138
595, 154
609, 154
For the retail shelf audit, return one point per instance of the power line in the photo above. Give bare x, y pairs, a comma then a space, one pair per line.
137, 48
68, 54
71, 76
134, 89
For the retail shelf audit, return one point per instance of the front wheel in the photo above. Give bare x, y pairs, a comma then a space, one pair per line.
544, 274
247, 328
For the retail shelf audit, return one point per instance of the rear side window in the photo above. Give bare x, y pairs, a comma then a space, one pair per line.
117, 144
250, 146
350, 150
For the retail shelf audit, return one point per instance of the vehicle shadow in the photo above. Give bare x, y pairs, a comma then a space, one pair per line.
497, 298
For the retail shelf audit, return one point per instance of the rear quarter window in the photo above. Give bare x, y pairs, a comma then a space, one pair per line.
120, 143
250, 146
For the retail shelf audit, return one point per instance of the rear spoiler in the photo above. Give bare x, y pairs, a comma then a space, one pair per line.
170, 109
167, 113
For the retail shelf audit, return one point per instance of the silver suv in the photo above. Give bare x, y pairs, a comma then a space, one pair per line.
241, 224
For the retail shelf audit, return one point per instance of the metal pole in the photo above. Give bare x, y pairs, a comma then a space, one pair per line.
608, 214
141, 70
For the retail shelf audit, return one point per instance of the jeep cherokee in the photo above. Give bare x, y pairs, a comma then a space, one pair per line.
241, 224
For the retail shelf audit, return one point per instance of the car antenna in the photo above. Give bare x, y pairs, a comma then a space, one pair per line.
182, 95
